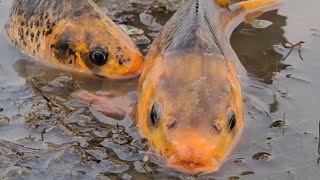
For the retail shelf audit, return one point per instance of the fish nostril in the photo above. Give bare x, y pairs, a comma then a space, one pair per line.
171, 123
216, 126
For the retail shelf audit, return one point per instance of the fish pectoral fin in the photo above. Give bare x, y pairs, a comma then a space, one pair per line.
106, 102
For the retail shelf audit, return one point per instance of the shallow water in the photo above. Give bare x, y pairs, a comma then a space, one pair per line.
65, 139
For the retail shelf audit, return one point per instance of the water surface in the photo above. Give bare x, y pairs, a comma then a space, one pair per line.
65, 139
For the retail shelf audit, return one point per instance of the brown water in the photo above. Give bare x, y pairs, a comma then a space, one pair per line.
65, 139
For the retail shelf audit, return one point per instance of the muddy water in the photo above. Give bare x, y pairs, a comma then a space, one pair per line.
61, 138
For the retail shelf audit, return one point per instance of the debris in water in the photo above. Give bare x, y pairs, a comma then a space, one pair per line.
291, 47
245, 173
319, 144
146, 158
260, 24
264, 156
234, 178
131, 30
279, 123
239, 161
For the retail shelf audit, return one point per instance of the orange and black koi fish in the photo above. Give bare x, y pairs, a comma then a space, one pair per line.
73, 33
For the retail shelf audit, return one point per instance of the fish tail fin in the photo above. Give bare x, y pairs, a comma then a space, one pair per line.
256, 5
223, 3
251, 8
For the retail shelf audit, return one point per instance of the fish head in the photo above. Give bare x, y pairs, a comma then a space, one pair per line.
190, 108
94, 44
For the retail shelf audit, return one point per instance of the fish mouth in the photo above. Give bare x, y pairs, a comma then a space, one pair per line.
192, 161
193, 166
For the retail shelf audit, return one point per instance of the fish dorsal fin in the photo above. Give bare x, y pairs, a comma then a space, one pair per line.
234, 11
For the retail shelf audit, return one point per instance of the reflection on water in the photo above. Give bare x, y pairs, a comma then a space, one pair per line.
45, 132
255, 47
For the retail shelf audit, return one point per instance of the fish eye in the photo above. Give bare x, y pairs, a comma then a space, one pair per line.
231, 120
155, 113
99, 55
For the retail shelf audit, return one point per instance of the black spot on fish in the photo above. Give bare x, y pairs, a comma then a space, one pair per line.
121, 59
32, 36
62, 49
48, 32
46, 16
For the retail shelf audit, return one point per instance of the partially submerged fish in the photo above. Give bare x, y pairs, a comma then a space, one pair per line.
73, 33
190, 104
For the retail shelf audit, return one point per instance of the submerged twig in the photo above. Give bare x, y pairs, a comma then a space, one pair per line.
19, 105
291, 47
37, 90
319, 140
284, 121
319, 144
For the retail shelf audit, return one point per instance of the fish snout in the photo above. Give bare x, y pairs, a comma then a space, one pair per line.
135, 62
193, 155
132, 63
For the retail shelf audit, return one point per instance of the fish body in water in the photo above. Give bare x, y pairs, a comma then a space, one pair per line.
73, 33
190, 103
